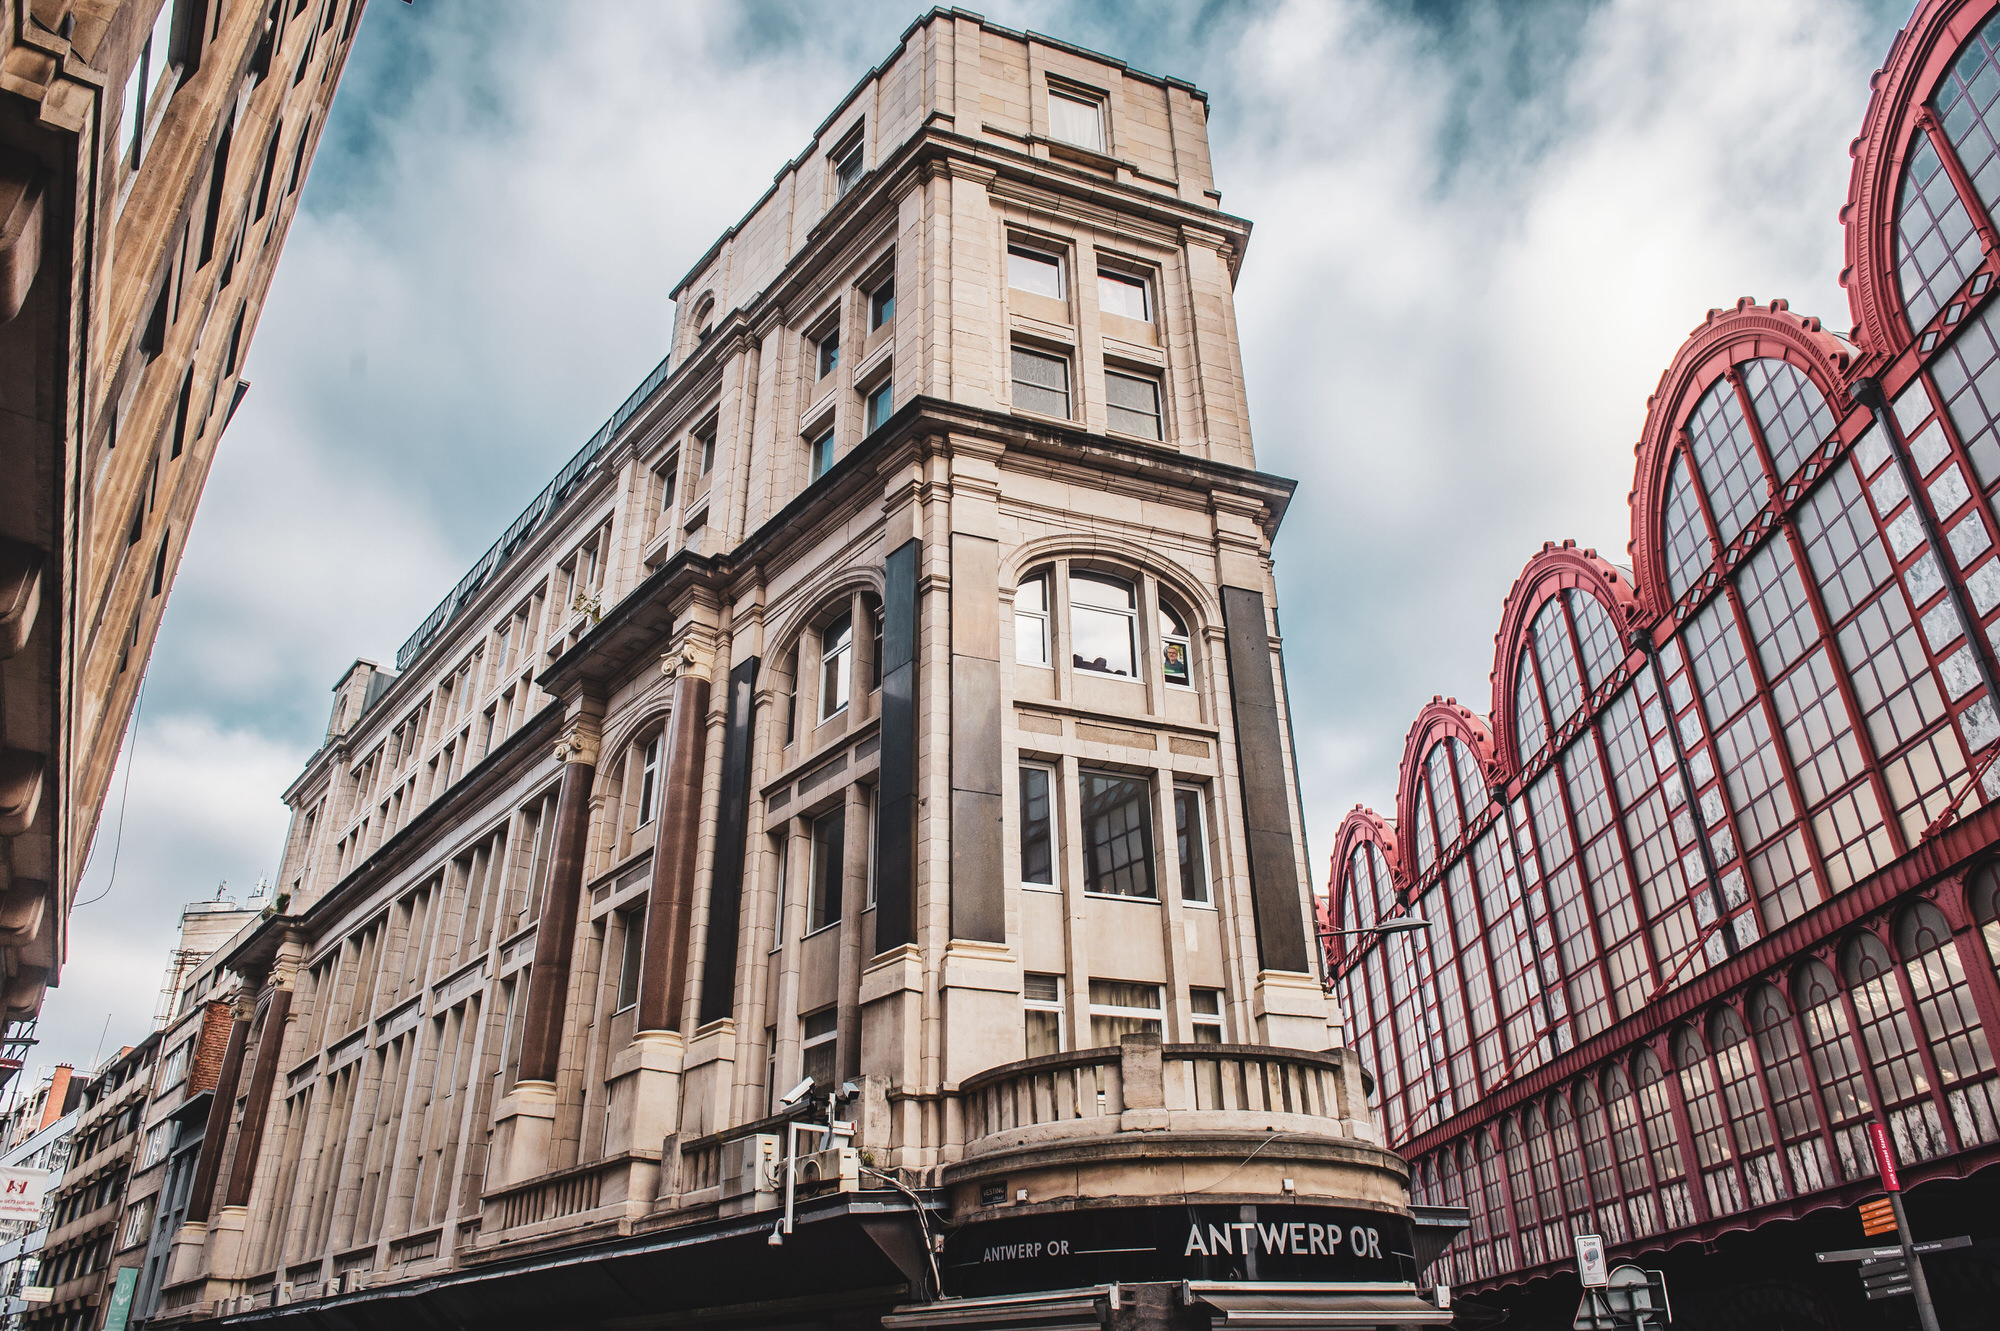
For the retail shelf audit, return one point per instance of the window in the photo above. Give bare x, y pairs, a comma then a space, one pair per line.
1117, 835
820, 1031
826, 354
1176, 655
175, 1065
1038, 858
819, 453
1191, 835
836, 666
1041, 382
781, 849
1205, 1005
829, 840
1118, 1009
882, 304
1132, 404
669, 478
1076, 119
847, 166
158, 1140
1125, 296
1103, 621
881, 405
649, 776
875, 621
1031, 620
1042, 1005
1034, 272
148, 72
138, 1224
632, 923
706, 438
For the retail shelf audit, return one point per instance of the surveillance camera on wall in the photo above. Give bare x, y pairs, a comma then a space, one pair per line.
797, 1093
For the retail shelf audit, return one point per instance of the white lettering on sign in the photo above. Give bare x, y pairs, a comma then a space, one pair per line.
1295, 1238
1016, 1252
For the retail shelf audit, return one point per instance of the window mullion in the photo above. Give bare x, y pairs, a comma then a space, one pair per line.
1920, 1034
1968, 194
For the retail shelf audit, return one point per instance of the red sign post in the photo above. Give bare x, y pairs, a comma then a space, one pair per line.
1885, 1165
1885, 1158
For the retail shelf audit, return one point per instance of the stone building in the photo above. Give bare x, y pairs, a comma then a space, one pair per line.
80, 1256
46, 1147
840, 847
151, 153
1711, 886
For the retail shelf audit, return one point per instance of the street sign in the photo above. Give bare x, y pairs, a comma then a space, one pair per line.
21, 1192
1878, 1216
1874, 1254
1631, 1300
1885, 1159
1885, 1271
1591, 1264
1891, 1291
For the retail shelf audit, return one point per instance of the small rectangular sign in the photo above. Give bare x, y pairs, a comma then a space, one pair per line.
1888, 1292
1591, 1264
1858, 1254
121, 1299
21, 1192
1885, 1157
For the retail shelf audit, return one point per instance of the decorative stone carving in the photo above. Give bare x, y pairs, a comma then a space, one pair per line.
578, 745
683, 660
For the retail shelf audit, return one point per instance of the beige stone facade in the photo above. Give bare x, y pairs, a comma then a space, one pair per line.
151, 153
890, 696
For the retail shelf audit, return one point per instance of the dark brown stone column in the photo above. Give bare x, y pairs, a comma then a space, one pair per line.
209, 1166
555, 935
263, 1076
670, 902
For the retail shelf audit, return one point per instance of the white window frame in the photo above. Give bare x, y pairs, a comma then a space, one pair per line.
1053, 777
1151, 379
1156, 1015
631, 957
1055, 1005
820, 454
1043, 619
1200, 838
879, 409
1055, 257
840, 662
1118, 277
1082, 101
649, 780
1216, 1021
808, 1043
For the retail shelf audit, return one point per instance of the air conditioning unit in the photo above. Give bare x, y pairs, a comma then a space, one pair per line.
750, 1165
836, 1169
350, 1282
282, 1293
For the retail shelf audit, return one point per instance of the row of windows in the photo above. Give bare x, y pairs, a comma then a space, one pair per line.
1102, 632
1765, 1098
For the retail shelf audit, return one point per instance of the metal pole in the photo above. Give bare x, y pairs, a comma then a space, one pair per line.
1919, 1287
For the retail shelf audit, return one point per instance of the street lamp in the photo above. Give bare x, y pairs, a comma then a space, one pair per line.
1399, 924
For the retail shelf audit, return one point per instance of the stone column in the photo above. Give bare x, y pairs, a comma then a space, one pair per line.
226, 1231
670, 901
524, 1122
208, 1167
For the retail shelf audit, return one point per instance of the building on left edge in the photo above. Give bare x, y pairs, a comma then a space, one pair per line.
151, 154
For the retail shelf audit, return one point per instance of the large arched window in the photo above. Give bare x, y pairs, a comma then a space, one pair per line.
1725, 454
1531, 728
1689, 548
1521, 1183
1836, 1066
1569, 1156
1791, 1088
1968, 105
1985, 901
1743, 1101
1936, 245
1656, 1110
1548, 1188
1792, 413
1951, 1021
1628, 1148
1597, 636
1498, 1253
1599, 1163
1555, 652
1712, 1153
1444, 795
1892, 1048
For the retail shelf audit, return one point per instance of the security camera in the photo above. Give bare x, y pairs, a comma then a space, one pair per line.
797, 1093
850, 1091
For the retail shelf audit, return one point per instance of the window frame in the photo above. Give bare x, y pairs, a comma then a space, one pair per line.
1198, 796
823, 908
1018, 350
1129, 615
879, 404
1054, 1006
631, 957
1217, 1021
1147, 860
1052, 781
1093, 102
1055, 258
1151, 379
649, 776
848, 162
882, 303
822, 451
1043, 579
1118, 1011
811, 1041
841, 659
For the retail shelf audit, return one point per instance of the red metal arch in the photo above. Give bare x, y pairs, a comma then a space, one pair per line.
1921, 53
1441, 718
1555, 568
1361, 825
1727, 337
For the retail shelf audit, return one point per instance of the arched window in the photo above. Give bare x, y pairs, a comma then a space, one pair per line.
1892, 1048
1443, 797
1969, 109
1936, 245
836, 666
1743, 1101
1521, 1183
1791, 1088
1951, 1021
1471, 783
1628, 1149
1562, 682
1705, 1120
1426, 835
1725, 454
1498, 1254
1599, 1163
1103, 621
1385, 887
1108, 617
1569, 1164
1531, 727
1688, 546
1176, 646
1597, 637
1836, 1066
1985, 900
1451, 1191
1360, 896
1656, 1110
1792, 412
1548, 1188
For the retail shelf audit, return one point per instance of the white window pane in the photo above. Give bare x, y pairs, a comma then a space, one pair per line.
1038, 274
1123, 296
1074, 120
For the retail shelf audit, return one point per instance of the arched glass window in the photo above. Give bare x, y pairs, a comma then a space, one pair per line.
836, 666
1951, 1021
1562, 684
1103, 623
1569, 1162
1443, 797
1689, 548
1725, 454
1360, 891
1548, 1189
1705, 1119
1986, 909
1385, 887
1656, 1110
1743, 1101
1499, 1252
1471, 783
1791, 1088
1968, 105
1836, 1065
1628, 1149
1892, 1048
1599, 1166
1531, 727
1597, 636
1426, 836
1792, 412
1521, 1183
1936, 245
1176, 647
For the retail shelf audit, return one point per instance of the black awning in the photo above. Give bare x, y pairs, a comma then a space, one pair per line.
1277, 1308
1056, 1310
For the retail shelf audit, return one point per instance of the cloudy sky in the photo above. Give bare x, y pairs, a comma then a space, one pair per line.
1481, 231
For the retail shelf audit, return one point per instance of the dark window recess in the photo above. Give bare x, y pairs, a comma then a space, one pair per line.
1038, 860
215, 183
270, 169
236, 340
160, 564
299, 159
1117, 835
829, 841
181, 412
154, 339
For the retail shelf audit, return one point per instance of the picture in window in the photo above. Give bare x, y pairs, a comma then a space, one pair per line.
836, 666
1077, 120
1117, 834
1175, 645
1042, 1009
829, 844
1031, 620
1038, 859
1103, 623
1119, 1009
1191, 839
1123, 295
1034, 272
